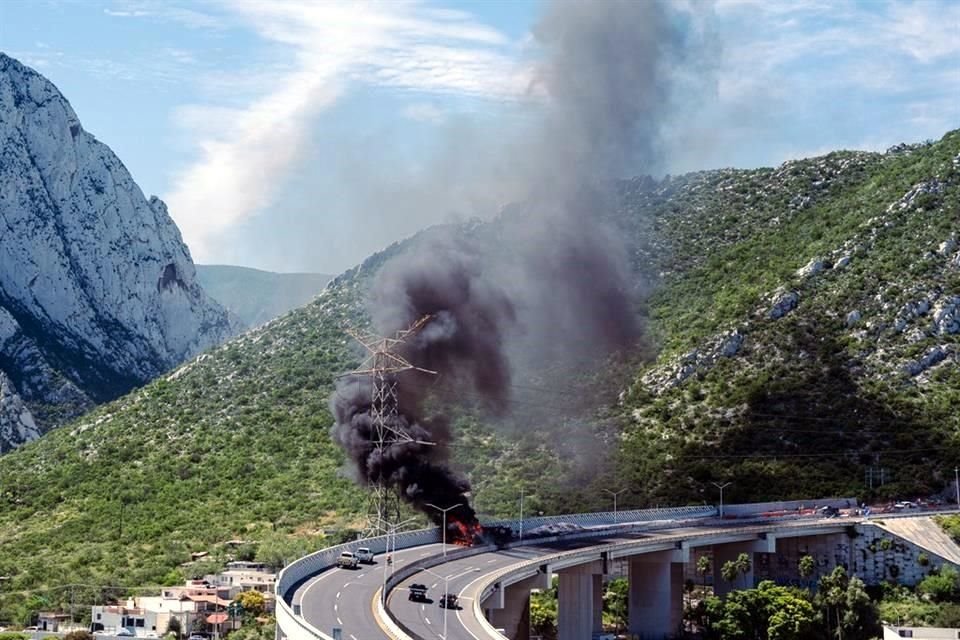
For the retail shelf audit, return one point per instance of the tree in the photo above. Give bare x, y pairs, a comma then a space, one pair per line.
849, 611
543, 612
80, 634
769, 612
941, 586
253, 602
703, 568
732, 569
198, 625
615, 601
806, 566
861, 620
174, 627
729, 571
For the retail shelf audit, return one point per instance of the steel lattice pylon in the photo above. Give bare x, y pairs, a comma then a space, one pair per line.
382, 366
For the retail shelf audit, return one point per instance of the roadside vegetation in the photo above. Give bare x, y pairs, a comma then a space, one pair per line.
235, 445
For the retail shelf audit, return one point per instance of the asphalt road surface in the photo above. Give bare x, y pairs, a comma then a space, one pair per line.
462, 577
344, 597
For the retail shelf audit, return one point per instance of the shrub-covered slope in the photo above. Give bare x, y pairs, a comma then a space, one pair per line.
804, 321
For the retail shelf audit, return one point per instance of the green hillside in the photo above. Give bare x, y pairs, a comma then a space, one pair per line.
235, 444
257, 296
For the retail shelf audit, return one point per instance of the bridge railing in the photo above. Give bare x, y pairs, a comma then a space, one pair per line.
299, 570
291, 625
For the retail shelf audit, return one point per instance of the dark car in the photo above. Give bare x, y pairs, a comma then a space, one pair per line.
418, 593
449, 601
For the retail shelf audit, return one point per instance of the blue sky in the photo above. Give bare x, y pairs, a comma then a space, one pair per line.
303, 135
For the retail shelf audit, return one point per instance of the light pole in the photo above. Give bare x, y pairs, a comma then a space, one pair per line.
615, 494
521, 516
956, 479
721, 487
387, 558
444, 512
446, 581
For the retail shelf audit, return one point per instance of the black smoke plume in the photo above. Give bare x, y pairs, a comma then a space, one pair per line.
462, 342
554, 279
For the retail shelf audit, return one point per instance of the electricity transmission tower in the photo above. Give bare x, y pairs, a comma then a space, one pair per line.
382, 365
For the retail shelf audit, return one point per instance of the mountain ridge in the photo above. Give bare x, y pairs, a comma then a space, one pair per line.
98, 293
256, 296
778, 394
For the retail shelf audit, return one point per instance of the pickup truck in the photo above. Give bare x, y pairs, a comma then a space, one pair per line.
348, 561
364, 555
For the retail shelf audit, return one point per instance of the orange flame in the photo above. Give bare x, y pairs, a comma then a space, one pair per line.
466, 535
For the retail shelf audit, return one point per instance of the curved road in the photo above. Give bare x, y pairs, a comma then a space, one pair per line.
344, 597
426, 620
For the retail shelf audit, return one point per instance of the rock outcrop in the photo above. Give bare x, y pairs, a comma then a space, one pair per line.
98, 292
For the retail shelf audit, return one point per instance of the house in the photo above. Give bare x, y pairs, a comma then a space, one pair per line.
920, 633
50, 621
149, 615
243, 576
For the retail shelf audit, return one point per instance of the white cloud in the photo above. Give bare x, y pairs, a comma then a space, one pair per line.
245, 153
424, 112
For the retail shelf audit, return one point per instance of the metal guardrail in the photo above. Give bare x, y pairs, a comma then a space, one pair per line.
291, 625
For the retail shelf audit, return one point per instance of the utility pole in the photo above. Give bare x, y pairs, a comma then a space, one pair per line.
615, 494
383, 364
721, 487
956, 480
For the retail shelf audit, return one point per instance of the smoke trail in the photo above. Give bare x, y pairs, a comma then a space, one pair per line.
445, 280
554, 278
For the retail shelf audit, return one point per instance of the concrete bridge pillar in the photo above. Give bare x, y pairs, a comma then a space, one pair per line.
723, 553
656, 595
514, 616
580, 606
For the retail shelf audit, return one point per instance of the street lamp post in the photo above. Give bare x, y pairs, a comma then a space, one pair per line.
615, 494
387, 558
444, 512
721, 487
446, 581
956, 479
521, 516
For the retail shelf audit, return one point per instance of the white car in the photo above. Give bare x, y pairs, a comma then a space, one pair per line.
124, 633
364, 555
348, 560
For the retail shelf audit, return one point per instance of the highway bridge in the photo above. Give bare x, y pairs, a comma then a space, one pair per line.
653, 548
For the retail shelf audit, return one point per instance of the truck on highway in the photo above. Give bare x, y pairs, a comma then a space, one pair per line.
348, 560
364, 555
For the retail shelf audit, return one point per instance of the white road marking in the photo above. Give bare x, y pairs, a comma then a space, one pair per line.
353, 637
434, 585
491, 561
323, 575
423, 607
335, 607
427, 619
463, 573
459, 619
338, 595
339, 621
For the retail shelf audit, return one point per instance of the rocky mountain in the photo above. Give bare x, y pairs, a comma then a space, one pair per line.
256, 296
802, 337
98, 293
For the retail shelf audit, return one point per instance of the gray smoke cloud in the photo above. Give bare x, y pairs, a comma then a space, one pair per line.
551, 279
